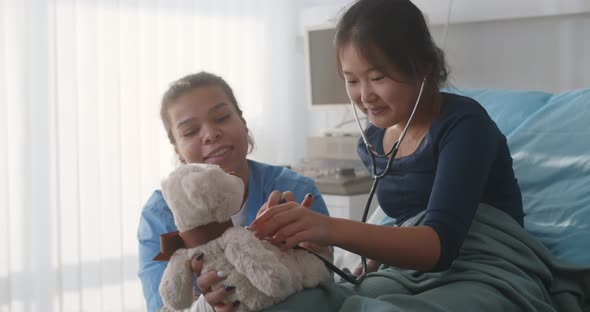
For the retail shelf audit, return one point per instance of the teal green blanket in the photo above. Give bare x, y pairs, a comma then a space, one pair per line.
500, 268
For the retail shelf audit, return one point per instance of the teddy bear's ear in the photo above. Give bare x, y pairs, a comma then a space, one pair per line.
164, 184
189, 184
168, 184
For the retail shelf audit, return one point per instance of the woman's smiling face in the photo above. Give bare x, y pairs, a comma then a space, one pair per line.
208, 129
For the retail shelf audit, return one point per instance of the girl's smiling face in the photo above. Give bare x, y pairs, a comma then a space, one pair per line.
376, 90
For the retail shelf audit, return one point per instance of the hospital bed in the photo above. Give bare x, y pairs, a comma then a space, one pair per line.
549, 138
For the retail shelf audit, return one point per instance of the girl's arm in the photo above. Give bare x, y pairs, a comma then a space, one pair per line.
415, 247
408, 247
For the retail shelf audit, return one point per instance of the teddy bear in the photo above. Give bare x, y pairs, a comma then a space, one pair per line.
202, 198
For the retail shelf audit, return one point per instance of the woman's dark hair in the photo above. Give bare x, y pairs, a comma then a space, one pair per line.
396, 30
188, 83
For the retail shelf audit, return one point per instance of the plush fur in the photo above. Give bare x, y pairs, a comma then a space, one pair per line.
199, 194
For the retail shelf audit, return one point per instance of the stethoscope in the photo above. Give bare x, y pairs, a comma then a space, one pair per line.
373, 153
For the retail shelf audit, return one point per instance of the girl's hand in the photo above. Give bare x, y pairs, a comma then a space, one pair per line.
277, 198
372, 266
286, 225
216, 298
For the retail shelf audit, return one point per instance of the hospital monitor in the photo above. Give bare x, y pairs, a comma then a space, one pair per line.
325, 87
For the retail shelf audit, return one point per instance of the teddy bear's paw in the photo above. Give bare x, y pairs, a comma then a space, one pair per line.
176, 287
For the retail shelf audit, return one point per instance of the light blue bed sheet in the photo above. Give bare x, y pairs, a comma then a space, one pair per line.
549, 138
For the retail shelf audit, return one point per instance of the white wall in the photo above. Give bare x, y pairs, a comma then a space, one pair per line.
541, 53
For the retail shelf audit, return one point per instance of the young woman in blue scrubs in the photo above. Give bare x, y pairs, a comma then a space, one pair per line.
205, 125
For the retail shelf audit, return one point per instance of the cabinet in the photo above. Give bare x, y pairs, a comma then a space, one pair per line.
348, 206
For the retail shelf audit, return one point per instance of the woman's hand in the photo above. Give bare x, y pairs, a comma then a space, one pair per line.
215, 298
277, 198
289, 224
372, 266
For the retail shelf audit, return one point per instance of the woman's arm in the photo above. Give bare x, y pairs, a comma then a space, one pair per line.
150, 271
156, 219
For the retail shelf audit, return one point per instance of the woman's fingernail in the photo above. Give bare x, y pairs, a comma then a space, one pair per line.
199, 256
236, 303
228, 288
308, 195
221, 274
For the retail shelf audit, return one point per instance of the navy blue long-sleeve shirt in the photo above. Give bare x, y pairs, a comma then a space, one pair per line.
462, 161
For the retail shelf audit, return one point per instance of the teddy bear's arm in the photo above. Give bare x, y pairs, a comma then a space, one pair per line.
262, 267
176, 287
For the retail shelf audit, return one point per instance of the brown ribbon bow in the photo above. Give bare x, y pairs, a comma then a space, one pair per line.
172, 241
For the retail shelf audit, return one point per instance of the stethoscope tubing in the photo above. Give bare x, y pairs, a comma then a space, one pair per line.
376, 178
